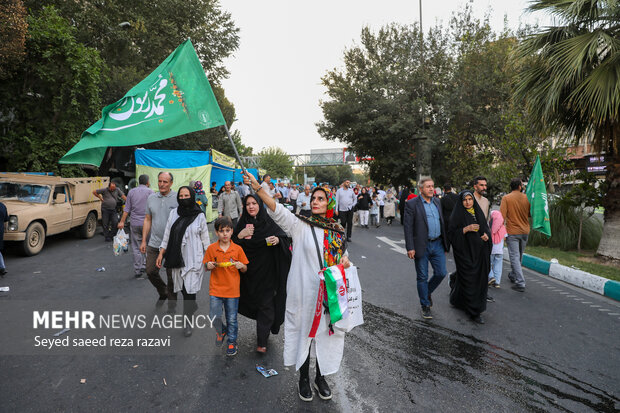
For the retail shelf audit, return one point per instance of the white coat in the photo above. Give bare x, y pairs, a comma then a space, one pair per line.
302, 290
193, 247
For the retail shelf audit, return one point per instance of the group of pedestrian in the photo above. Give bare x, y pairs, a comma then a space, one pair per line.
254, 269
476, 235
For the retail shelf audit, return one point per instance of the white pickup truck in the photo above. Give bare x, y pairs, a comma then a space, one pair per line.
40, 205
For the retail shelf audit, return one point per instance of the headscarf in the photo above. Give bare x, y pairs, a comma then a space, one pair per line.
334, 239
498, 229
198, 188
462, 217
264, 226
188, 210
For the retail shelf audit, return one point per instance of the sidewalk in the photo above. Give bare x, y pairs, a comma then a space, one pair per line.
582, 279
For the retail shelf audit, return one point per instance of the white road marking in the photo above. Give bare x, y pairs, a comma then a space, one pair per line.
393, 244
613, 313
595, 306
570, 296
586, 302
564, 293
603, 309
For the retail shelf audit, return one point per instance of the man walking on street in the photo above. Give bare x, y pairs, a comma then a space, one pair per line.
480, 190
135, 207
229, 203
109, 198
515, 209
158, 207
426, 240
303, 200
448, 201
345, 201
293, 194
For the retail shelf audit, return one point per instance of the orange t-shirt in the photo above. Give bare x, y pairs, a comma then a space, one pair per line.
225, 280
515, 209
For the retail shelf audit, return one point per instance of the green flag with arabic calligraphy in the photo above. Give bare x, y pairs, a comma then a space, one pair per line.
537, 195
173, 100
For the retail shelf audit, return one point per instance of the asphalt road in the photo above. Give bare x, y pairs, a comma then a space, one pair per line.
552, 348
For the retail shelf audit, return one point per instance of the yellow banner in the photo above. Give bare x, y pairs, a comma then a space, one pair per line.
181, 178
222, 159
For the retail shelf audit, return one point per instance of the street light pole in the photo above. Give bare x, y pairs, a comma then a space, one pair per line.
423, 164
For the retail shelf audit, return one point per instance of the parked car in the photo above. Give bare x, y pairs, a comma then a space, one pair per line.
40, 205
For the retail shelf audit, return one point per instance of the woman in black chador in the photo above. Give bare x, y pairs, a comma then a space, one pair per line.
263, 286
470, 236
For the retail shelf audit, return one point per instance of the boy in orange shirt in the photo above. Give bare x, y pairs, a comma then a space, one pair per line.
225, 259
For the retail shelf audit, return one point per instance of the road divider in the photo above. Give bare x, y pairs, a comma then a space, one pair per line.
573, 276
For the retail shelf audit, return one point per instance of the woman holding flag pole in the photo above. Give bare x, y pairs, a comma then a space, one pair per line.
307, 327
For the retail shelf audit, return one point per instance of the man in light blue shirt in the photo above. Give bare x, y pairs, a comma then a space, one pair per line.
426, 241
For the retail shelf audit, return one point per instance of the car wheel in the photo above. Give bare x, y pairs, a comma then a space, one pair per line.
35, 238
88, 228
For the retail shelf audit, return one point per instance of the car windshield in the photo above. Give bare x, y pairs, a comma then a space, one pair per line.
38, 194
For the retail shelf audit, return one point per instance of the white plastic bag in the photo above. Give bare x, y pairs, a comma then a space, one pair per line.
121, 242
354, 294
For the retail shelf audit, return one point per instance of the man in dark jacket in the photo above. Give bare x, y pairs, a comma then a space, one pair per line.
448, 200
426, 240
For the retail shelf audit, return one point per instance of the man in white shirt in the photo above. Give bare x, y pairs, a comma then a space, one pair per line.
345, 201
303, 200
268, 186
293, 193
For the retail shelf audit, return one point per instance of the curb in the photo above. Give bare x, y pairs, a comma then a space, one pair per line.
578, 278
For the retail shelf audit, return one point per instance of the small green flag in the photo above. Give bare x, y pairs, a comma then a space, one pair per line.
537, 195
173, 100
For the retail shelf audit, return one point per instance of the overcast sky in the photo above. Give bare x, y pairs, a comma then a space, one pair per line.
287, 46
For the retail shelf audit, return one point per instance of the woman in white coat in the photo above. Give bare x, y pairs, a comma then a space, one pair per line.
185, 241
306, 325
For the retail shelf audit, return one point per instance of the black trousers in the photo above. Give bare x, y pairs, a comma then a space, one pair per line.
164, 289
381, 211
109, 221
304, 370
189, 303
346, 219
264, 320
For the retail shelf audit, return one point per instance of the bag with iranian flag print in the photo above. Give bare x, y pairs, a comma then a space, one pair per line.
344, 296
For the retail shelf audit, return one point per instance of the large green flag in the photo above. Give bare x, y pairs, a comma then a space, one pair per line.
175, 99
537, 195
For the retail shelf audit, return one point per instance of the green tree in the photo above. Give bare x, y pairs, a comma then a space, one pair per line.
584, 197
571, 85
51, 98
378, 101
276, 162
13, 33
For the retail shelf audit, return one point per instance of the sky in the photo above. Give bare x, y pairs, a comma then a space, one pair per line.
286, 46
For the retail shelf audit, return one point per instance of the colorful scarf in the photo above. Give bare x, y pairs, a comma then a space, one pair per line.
198, 188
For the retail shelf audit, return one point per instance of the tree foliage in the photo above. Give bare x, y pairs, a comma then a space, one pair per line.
50, 99
13, 33
276, 162
85, 55
377, 102
572, 86
335, 174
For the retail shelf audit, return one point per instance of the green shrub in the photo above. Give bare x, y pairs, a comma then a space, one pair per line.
565, 230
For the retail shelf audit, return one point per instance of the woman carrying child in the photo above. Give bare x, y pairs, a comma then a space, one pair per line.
186, 238
305, 329
263, 286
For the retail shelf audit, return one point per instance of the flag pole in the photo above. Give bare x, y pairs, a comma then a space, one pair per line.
234, 148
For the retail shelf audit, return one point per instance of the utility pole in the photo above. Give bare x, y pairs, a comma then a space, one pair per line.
423, 148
